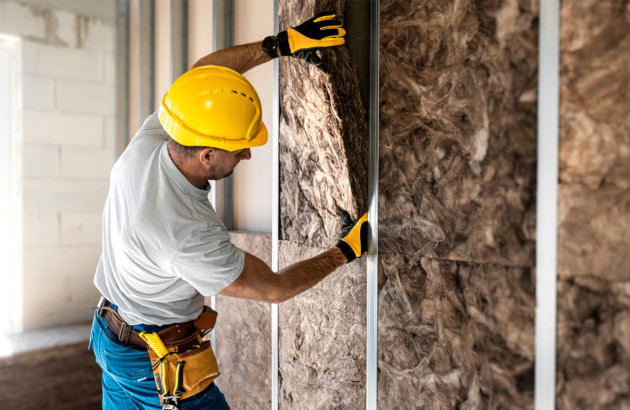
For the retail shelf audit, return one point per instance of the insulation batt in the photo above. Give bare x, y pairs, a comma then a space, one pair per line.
451, 334
323, 169
243, 332
593, 363
456, 207
458, 129
323, 137
322, 338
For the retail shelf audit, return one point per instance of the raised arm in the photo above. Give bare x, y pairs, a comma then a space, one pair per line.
239, 58
302, 42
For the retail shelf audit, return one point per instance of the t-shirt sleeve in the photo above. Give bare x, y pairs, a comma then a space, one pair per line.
208, 260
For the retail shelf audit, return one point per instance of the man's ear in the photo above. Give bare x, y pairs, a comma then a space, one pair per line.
205, 155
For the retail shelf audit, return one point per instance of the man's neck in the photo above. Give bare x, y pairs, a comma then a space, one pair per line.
188, 171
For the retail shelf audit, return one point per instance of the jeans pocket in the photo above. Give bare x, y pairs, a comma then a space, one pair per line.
127, 364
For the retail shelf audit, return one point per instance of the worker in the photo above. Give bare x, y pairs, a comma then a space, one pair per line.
165, 249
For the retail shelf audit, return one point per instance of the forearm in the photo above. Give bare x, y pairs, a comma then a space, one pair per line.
303, 275
239, 58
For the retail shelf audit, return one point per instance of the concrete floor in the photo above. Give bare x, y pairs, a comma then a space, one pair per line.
41, 339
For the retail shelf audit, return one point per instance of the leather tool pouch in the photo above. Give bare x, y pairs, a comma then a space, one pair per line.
198, 365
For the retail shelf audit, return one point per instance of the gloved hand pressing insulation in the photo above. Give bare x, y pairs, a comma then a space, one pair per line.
323, 30
353, 240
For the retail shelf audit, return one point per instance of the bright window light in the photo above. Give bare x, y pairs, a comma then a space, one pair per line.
10, 186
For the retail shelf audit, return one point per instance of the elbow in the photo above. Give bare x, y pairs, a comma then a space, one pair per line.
278, 293
277, 296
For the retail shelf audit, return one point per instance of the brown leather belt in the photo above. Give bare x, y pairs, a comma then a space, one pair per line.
127, 334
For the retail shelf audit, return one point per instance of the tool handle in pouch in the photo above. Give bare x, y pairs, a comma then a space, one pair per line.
178, 390
155, 343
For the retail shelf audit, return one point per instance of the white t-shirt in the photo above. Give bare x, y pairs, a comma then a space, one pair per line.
164, 248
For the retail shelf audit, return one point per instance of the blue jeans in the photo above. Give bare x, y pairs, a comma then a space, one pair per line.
127, 377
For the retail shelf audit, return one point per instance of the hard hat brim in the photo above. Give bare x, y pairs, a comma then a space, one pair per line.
186, 136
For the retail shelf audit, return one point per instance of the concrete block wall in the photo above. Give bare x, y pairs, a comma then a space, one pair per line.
68, 89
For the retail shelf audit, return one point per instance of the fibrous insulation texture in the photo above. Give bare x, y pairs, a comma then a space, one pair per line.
322, 338
458, 129
243, 337
323, 170
323, 137
593, 362
457, 157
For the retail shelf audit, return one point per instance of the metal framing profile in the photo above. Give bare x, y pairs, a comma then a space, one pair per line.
179, 38
547, 204
146, 63
275, 210
122, 75
371, 386
223, 37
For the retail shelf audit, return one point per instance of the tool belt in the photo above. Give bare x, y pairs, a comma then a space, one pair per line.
183, 363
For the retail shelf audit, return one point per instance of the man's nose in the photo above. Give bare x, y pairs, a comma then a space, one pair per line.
245, 154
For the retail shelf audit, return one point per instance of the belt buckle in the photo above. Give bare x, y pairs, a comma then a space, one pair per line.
124, 339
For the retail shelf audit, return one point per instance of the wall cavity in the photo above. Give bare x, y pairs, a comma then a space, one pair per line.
323, 138
594, 206
456, 207
323, 170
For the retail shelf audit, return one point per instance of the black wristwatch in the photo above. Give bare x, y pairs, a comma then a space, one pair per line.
270, 45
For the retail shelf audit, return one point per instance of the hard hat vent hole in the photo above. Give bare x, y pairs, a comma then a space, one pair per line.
243, 94
251, 99
235, 92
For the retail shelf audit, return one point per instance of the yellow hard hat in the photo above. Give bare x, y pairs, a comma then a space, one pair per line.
213, 106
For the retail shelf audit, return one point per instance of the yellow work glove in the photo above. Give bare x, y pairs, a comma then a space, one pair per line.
353, 240
323, 30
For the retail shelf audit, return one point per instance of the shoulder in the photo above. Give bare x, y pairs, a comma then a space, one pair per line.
151, 132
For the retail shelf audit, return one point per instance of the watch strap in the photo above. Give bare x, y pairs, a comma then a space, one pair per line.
272, 51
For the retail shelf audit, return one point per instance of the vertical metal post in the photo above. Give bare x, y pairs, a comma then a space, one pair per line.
122, 75
275, 210
179, 38
223, 37
547, 204
371, 400
146, 47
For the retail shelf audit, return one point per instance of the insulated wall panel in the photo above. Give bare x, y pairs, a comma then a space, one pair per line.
322, 338
323, 170
454, 334
323, 137
456, 206
243, 333
593, 367
458, 130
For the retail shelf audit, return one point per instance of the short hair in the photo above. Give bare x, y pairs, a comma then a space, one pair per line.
183, 151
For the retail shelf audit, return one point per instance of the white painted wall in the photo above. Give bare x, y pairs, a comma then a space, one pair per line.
10, 185
253, 21
68, 150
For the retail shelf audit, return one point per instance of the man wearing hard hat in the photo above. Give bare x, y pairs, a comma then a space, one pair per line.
164, 248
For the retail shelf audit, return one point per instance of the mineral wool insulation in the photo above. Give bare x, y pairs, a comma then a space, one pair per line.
457, 217
456, 211
323, 169
593, 361
243, 335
